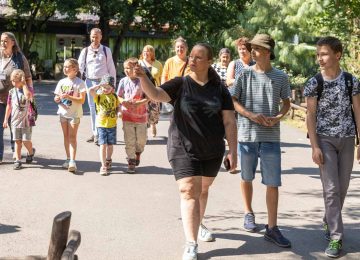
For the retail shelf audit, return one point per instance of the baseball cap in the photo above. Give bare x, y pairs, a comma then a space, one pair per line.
107, 80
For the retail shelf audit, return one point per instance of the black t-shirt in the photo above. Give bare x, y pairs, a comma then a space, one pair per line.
197, 129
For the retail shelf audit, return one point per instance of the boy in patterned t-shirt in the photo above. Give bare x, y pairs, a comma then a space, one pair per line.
134, 114
331, 130
107, 110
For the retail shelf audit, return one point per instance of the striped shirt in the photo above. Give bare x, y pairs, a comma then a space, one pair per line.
260, 93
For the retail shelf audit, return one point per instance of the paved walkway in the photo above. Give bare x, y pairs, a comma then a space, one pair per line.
137, 217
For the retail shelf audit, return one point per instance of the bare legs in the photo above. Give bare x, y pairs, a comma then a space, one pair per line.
193, 195
70, 139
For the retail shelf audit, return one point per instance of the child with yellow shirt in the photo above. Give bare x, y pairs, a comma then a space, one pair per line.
107, 110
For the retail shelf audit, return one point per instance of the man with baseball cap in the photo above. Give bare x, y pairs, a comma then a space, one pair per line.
256, 95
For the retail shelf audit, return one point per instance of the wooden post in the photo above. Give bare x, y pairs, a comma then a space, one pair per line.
59, 235
72, 246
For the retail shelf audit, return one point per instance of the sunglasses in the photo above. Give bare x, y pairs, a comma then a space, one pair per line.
95, 53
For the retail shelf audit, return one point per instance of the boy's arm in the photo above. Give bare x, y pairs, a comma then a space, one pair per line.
317, 155
93, 90
7, 114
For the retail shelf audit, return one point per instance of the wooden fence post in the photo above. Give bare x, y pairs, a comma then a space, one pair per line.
59, 235
73, 244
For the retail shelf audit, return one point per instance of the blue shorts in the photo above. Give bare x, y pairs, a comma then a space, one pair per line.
106, 135
270, 161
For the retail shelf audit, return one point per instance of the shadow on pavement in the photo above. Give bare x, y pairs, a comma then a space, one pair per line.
283, 144
308, 242
4, 229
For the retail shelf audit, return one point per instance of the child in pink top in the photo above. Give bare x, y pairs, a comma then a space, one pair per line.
134, 114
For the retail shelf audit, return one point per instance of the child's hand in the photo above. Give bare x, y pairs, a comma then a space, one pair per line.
64, 96
57, 99
119, 114
139, 71
5, 124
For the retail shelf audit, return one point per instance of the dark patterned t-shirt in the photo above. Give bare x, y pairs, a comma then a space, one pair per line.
333, 115
221, 71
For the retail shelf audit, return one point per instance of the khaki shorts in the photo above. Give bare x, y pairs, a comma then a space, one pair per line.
70, 120
22, 134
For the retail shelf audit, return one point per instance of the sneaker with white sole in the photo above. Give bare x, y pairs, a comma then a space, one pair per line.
205, 234
72, 166
65, 165
190, 252
249, 222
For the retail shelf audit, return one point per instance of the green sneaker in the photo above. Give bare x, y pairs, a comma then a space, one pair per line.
326, 231
334, 248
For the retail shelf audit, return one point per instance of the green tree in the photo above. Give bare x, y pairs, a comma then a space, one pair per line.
31, 17
193, 19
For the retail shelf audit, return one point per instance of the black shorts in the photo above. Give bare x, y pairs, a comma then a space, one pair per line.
185, 167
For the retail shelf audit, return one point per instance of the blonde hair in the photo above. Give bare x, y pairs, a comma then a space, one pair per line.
18, 75
130, 60
151, 49
73, 62
181, 40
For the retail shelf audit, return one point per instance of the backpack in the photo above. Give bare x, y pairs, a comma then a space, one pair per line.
33, 111
83, 75
349, 85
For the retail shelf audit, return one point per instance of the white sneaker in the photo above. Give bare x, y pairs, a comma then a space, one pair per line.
72, 166
190, 252
205, 234
65, 165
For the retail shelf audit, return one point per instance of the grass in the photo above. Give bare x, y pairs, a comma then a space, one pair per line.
298, 121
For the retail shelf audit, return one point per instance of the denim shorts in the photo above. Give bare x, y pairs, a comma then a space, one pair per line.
107, 135
270, 161
70, 120
185, 167
22, 134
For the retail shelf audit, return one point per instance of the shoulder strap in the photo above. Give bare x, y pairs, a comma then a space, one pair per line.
104, 49
86, 52
186, 63
320, 85
349, 85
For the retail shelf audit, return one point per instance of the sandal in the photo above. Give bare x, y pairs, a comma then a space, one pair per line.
108, 163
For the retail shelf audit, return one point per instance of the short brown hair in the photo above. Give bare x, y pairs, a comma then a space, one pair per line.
333, 42
243, 41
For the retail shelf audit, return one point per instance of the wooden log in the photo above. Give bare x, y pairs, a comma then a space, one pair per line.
298, 107
59, 235
72, 246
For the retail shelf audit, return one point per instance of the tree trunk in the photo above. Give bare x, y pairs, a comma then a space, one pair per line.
118, 42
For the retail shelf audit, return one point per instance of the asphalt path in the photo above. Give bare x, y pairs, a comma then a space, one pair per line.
136, 217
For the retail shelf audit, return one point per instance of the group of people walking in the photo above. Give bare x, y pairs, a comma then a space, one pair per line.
242, 101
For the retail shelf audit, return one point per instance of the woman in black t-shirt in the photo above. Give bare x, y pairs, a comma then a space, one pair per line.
203, 114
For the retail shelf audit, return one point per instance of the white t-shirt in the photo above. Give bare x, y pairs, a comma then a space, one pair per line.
72, 87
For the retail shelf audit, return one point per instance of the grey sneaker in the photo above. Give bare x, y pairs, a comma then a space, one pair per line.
72, 166
17, 165
205, 234
326, 231
190, 252
249, 222
65, 165
334, 248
